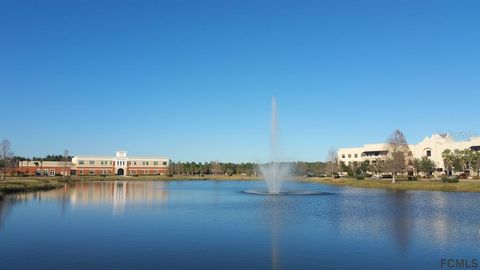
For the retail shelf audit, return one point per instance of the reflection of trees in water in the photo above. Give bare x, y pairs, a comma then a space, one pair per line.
384, 215
4, 210
6, 204
402, 221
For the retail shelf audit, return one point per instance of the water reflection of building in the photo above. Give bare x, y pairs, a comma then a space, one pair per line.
117, 193
114, 193
428, 217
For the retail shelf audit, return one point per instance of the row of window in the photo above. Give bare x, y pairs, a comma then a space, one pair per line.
375, 154
350, 155
121, 163
109, 172
92, 172
45, 172
428, 153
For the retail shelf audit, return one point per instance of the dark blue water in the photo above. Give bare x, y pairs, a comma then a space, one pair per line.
213, 225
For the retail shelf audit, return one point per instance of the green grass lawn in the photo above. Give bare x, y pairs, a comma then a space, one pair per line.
24, 184
432, 185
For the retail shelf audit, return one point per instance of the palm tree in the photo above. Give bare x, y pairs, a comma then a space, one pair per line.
36, 167
472, 158
448, 159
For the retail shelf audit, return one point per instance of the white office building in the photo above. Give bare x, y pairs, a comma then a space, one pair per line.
431, 147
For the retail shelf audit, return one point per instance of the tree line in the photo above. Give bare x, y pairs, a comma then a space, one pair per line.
9, 163
461, 160
298, 168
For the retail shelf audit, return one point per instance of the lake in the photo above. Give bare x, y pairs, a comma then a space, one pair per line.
214, 225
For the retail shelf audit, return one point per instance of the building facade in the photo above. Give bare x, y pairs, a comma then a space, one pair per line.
45, 168
431, 147
121, 164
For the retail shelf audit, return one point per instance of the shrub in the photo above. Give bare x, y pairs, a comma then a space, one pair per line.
360, 177
449, 179
412, 178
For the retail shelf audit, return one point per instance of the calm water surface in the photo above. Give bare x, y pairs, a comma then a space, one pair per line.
213, 225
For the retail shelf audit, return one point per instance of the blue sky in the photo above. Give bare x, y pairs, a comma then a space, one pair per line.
193, 80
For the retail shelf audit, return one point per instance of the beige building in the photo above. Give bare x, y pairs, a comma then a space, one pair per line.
44, 168
431, 147
120, 164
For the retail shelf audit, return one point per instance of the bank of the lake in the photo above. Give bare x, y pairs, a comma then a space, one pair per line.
27, 184
34, 183
24, 184
425, 185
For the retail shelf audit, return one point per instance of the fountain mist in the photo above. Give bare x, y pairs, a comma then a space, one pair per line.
275, 173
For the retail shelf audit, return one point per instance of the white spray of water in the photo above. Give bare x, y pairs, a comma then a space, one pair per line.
275, 173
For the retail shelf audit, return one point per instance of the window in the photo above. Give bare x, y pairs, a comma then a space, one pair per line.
155, 163
146, 163
343, 155
81, 172
52, 172
349, 155
91, 172
429, 153
356, 155
164, 163
92, 162
81, 162
101, 162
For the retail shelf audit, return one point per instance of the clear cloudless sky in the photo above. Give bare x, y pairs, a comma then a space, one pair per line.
193, 80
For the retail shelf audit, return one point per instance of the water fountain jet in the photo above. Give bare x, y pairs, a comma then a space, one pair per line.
275, 172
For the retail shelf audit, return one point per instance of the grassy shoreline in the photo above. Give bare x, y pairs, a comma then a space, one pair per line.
28, 184
21, 184
423, 185
38, 183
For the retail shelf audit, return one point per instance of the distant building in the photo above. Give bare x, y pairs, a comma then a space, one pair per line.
120, 164
431, 147
45, 168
